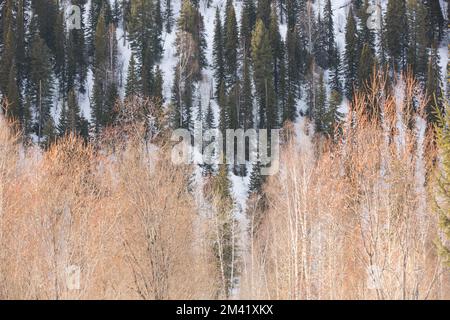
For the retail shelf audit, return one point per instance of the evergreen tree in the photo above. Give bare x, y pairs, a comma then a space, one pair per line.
351, 58
417, 56
248, 21
278, 63
396, 33
41, 86
435, 19
246, 103
218, 52
256, 179
231, 44
335, 78
365, 67
145, 36
329, 35
293, 52
262, 76
133, 82
264, 11
168, 16
105, 75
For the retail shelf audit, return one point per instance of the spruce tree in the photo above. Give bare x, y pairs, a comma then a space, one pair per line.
132, 87
218, 52
248, 21
365, 67
231, 44
168, 16
262, 76
351, 58
41, 85
330, 46
396, 33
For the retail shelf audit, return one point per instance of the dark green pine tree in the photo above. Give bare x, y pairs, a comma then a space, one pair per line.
8, 52
352, 55
320, 44
145, 36
41, 86
97, 8
336, 74
105, 75
263, 12
396, 34
231, 44
248, 21
256, 179
330, 45
293, 65
291, 13
191, 22
434, 87
76, 55
218, 53
262, 76
168, 16
21, 62
366, 66
60, 47
246, 103
70, 118
319, 110
417, 56
133, 86
436, 21
279, 70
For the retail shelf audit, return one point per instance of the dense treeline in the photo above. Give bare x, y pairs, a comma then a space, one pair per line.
44, 62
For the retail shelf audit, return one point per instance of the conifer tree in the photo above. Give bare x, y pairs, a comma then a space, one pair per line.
41, 85
248, 21
417, 56
293, 52
218, 52
246, 103
278, 63
365, 67
351, 58
264, 11
133, 82
231, 44
396, 33
168, 16
330, 46
262, 76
